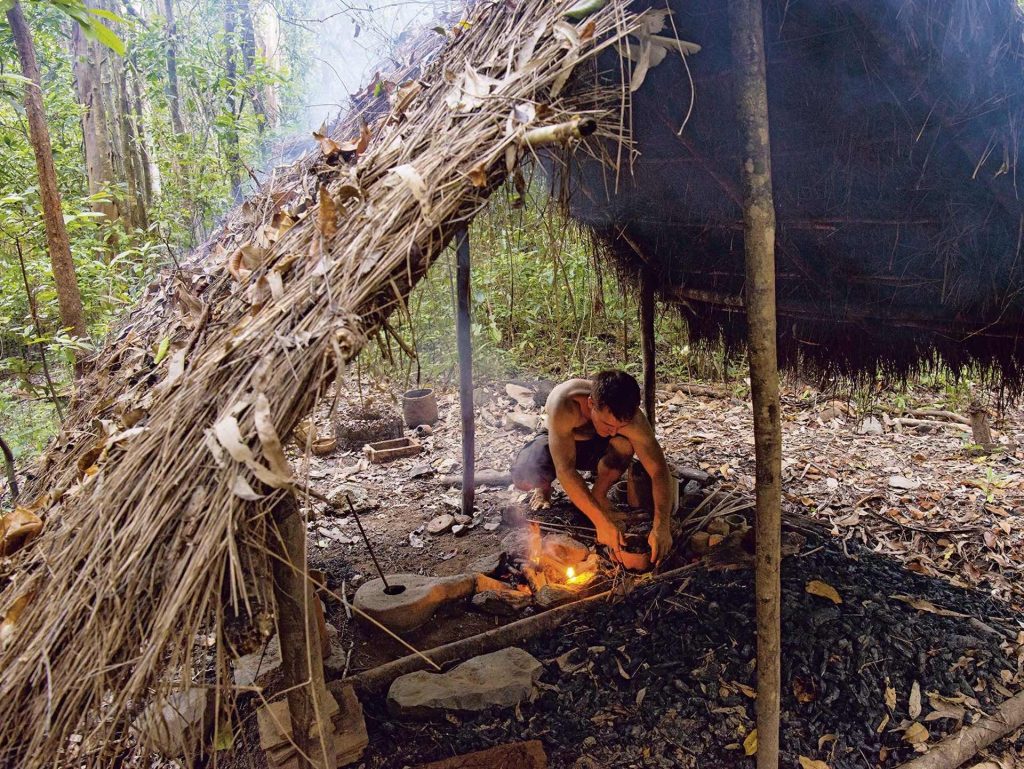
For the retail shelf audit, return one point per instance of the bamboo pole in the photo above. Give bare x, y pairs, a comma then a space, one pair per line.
301, 662
647, 340
759, 244
462, 285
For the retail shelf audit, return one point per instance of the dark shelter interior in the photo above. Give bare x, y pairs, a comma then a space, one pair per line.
894, 157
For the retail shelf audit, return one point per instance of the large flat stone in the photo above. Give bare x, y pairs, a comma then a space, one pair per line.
173, 725
515, 755
502, 679
419, 597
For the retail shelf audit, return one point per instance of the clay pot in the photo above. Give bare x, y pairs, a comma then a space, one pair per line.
419, 407
635, 555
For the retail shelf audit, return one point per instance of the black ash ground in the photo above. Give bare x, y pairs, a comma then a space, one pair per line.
661, 676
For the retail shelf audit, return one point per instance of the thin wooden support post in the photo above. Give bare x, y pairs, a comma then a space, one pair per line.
301, 659
465, 342
647, 339
759, 244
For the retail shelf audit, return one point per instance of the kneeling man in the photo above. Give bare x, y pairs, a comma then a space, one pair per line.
597, 425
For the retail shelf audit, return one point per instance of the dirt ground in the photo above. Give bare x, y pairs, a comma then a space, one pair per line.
917, 493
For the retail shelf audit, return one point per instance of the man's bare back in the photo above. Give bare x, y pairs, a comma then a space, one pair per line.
585, 433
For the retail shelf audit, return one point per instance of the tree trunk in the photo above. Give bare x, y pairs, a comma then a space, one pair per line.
248, 46
301, 659
231, 154
86, 63
133, 164
173, 96
759, 245
68, 297
149, 179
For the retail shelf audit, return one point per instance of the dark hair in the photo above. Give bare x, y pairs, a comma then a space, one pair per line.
618, 392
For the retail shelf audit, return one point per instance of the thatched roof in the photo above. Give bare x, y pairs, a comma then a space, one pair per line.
150, 571
897, 238
896, 131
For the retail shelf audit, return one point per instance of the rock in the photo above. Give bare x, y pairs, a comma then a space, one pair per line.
173, 726
440, 524
460, 530
906, 484
518, 421
870, 426
699, 542
417, 601
256, 665
465, 520
521, 755
421, 471
564, 548
360, 499
693, 474
516, 542
550, 596
501, 603
718, 526
488, 564
521, 395
502, 679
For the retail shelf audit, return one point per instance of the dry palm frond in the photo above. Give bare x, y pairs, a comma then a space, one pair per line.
157, 531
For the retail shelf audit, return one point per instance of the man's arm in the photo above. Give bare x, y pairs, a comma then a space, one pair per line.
562, 445
651, 456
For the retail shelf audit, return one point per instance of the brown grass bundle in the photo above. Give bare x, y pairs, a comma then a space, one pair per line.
150, 571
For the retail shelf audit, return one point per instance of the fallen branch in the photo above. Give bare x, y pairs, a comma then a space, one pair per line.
12, 480
957, 748
691, 388
940, 414
376, 680
908, 422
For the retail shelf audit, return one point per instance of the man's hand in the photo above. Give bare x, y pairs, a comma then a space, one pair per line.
610, 535
660, 540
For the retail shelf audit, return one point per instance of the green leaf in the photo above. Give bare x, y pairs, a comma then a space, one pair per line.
108, 15
161, 351
378, 89
583, 8
99, 32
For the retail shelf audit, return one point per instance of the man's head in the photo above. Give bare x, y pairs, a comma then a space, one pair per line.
614, 400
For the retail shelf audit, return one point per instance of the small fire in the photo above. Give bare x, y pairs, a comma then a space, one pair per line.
572, 578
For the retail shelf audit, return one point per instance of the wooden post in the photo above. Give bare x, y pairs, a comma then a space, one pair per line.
465, 342
759, 245
301, 662
647, 339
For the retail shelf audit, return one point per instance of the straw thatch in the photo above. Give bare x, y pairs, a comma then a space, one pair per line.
150, 571
895, 144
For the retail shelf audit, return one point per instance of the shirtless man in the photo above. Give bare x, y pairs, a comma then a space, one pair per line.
597, 425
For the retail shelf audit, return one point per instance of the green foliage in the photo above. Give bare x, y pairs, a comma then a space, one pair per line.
542, 302
25, 424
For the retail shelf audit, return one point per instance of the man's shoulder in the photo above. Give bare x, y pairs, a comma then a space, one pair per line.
562, 397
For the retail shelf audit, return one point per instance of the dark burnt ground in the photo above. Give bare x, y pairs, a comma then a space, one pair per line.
661, 674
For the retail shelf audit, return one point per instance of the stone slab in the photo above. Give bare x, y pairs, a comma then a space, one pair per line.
503, 678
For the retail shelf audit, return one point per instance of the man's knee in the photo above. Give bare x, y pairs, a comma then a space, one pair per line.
619, 455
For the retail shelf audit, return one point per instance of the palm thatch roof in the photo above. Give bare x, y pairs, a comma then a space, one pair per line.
895, 155
151, 569
896, 133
